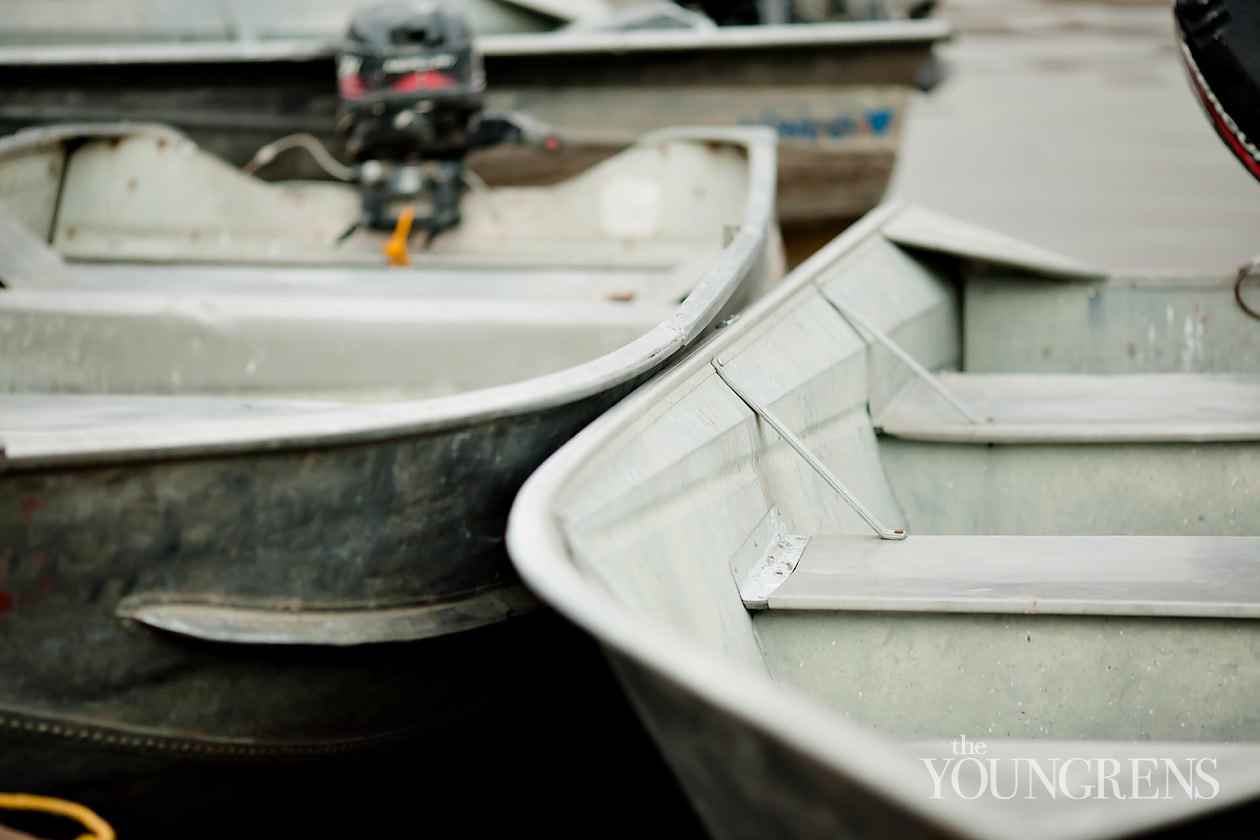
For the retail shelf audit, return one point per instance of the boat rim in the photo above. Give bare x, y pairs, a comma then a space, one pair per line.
820, 35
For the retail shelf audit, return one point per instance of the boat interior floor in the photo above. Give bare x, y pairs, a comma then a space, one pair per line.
1064, 557
1039, 593
1052, 638
323, 347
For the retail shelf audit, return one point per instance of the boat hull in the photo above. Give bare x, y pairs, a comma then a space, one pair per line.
290, 586
483, 706
273, 607
657, 528
794, 796
366, 527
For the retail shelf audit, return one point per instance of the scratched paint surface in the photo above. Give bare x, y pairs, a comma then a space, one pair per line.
24, 571
347, 527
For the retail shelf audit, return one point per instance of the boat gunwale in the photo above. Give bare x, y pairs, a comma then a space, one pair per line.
543, 557
824, 37
357, 424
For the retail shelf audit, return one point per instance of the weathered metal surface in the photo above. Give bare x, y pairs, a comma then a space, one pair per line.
644, 527
1196, 694
765, 560
388, 524
600, 90
185, 562
790, 787
1184, 488
93, 356
384, 524
24, 257
1153, 325
214, 620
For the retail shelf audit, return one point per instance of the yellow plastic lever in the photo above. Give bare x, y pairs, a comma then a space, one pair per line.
396, 248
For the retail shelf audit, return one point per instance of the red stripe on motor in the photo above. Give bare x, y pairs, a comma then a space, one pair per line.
1222, 127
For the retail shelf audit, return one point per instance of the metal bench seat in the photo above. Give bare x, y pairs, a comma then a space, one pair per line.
1078, 408
1074, 575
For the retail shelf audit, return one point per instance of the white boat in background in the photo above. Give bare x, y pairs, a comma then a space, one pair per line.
236, 440
948, 536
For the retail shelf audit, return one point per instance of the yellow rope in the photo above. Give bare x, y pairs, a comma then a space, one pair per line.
98, 829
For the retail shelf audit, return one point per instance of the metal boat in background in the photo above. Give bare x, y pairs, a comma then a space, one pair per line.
947, 537
835, 93
30, 22
62, 22
237, 441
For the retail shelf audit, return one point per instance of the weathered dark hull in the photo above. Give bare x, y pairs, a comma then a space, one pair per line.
411, 526
486, 704
412, 523
290, 588
787, 786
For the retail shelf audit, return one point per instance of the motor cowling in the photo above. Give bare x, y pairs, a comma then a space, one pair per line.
1221, 47
412, 108
411, 84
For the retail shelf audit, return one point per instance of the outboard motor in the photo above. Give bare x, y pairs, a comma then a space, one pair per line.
412, 97
1220, 42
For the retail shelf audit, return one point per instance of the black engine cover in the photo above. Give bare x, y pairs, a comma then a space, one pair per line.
1221, 47
411, 81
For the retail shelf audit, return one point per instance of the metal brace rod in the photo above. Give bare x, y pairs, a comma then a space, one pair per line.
846, 312
810, 458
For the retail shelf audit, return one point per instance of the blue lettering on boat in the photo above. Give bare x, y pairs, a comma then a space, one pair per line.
838, 127
879, 121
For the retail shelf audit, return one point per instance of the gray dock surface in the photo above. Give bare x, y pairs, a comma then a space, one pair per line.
1071, 125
